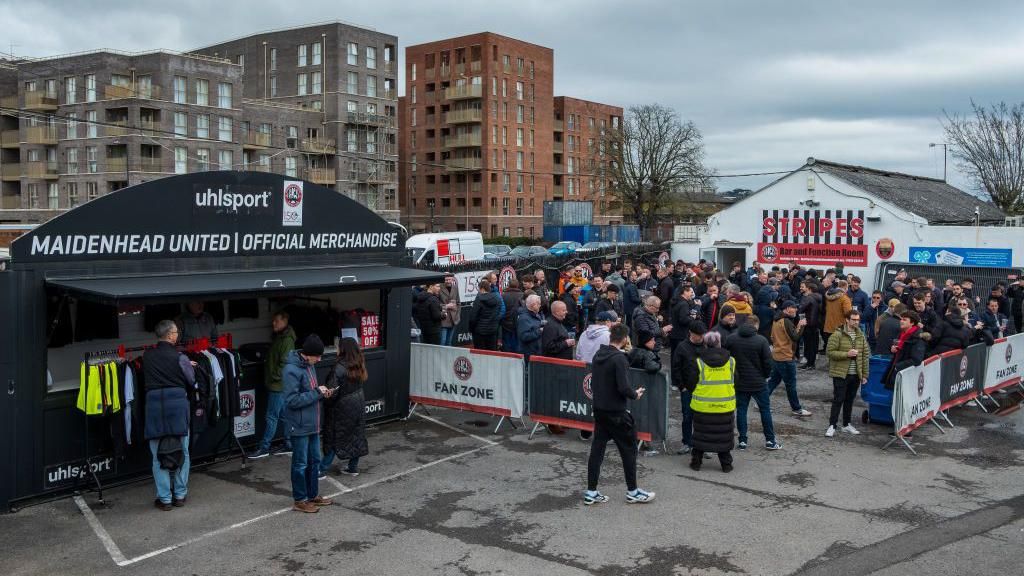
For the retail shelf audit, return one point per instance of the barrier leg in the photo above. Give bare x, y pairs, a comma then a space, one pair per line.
411, 411
977, 401
993, 400
904, 441
534, 431
499, 424
937, 425
946, 418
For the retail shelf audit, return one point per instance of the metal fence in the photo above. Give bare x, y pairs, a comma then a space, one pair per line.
984, 278
647, 253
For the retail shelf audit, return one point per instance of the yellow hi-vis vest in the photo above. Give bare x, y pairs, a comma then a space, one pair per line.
98, 389
715, 392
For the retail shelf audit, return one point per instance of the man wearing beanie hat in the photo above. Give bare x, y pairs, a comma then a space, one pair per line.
610, 301
685, 375
301, 415
642, 355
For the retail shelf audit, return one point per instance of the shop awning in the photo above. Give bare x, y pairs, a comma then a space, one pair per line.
114, 289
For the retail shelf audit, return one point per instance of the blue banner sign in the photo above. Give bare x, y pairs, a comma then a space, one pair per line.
990, 257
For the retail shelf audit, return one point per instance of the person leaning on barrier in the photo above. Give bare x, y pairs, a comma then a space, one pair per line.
555, 341
449, 296
484, 317
908, 350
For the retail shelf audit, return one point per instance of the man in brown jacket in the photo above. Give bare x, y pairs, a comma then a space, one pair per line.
837, 304
450, 309
785, 336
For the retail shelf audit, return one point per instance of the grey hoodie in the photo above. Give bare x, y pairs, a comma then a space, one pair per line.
593, 337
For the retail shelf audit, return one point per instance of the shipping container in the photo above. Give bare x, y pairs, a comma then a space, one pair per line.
568, 213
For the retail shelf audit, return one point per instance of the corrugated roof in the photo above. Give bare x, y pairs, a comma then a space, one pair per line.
929, 198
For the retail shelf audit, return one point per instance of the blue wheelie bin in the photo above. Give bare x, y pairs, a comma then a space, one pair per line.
879, 399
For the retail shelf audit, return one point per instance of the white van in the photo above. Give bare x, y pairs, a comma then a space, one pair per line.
445, 247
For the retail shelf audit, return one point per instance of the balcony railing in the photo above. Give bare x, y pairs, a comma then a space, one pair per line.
40, 100
41, 135
558, 168
446, 70
256, 140
559, 126
389, 94
9, 139
117, 128
389, 67
459, 164
320, 175
462, 140
41, 169
116, 165
371, 119
257, 167
111, 92
463, 92
475, 66
150, 165
429, 73
557, 146
382, 177
318, 146
9, 101
10, 171
464, 116
11, 202
460, 68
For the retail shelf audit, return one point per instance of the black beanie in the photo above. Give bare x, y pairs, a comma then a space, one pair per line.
313, 346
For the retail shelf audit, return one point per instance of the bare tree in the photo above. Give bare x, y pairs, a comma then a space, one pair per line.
655, 155
989, 148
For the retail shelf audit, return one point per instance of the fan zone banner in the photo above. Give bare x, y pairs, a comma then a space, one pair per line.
1005, 361
963, 372
918, 395
465, 379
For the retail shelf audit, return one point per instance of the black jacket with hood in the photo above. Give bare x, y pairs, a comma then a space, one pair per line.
610, 380
484, 316
753, 358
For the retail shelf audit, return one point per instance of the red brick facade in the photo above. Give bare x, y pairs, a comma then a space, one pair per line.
580, 158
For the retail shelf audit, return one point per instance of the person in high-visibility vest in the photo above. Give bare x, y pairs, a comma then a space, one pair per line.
713, 402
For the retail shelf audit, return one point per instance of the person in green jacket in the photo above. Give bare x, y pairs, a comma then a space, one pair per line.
848, 365
282, 344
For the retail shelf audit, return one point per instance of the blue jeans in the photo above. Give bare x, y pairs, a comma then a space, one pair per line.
305, 467
446, 336
162, 477
353, 463
686, 396
785, 371
763, 404
509, 342
275, 403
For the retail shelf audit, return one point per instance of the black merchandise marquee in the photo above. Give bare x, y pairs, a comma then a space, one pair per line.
256, 239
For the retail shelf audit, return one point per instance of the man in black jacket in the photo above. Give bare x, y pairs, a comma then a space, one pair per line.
611, 389
484, 317
753, 366
810, 310
1016, 295
570, 298
555, 341
684, 311
428, 314
513, 299
684, 376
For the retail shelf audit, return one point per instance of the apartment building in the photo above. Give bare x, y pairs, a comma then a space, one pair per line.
77, 126
581, 157
347, 75
477, 135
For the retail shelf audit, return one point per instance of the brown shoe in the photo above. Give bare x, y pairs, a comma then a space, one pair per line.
178, 503
161, 505
306, 507
321, 501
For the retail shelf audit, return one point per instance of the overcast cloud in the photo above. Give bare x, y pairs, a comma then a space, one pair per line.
768, 83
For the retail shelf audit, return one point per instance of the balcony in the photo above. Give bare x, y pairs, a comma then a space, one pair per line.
558, 147
318, 146
256, 140
463, 164
463, 92
389, 94
558, 168
462, 141
446, 70
41, 134
382, 177
9, 101
40, 100
47, 170
557, 190
10, 171
149, 165
9, 139
323, 176
369, 119
389, 67
476, 66
11, 202
558, 125
151, 128
258, 167
117, 128
111, 92
429, 73
464, 116
116, 165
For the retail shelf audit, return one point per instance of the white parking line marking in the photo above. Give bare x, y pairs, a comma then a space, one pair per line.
412, 470
460, 431
101, 532
337, 484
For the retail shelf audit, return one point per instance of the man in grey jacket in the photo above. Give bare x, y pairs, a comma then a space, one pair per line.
645, 318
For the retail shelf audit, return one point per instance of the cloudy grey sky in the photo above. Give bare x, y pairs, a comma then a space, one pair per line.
768, 83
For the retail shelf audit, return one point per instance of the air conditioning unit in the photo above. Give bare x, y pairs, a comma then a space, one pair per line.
1016, 221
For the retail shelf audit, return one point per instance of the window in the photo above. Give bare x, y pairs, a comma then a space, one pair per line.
203, 92
33, 195
302, 54
520, 113
352, 106
371, 57
570, 165
353, 143
371, 142
92, 190
302, 84
353, 54
569, 187
180, 161
316, 53
412, 118
412, 94
226, 158
30, 86
70, 90
224, 95
519, 138
519, 65
531, 138
53, 196
289, 166
519, 90
504, 88
504, 136
504, 206
90, 88
91, 159
317, 105
494, 134
263, 160
72, 125
90, 129
413, 71
240, 60
504, 111
203, 126
371, 86
273, 58
224, 129
180, 125
519, 205
145, 86
316, 82
72, 155
180, 91
519, 164
353, 83
506, 179
273, 86
506, 61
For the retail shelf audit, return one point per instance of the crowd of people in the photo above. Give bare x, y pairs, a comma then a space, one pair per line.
730, 336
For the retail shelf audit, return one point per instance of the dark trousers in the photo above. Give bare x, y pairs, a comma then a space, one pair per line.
617, 427
697, 458
485, 341
764, 406
431, 337
811, 345
824, 339
685, 396
844, 391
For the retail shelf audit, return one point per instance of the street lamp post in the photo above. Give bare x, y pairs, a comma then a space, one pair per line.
430, 204
944, 145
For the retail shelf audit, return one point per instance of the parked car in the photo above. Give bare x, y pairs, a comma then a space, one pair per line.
564, 248
528, 251
595, 246
492, 251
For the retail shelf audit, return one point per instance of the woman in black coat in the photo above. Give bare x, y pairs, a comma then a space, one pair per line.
713, 432
344, 429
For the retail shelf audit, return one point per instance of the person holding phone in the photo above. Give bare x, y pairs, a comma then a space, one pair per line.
612, 421
344, 434
301, 415
848, 354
